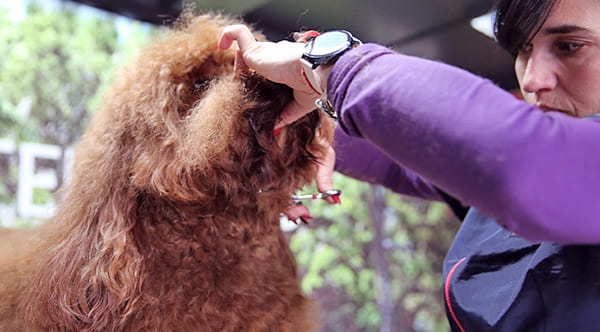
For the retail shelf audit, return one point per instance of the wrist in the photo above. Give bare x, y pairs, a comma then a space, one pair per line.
315, 78
323, 73
321, 51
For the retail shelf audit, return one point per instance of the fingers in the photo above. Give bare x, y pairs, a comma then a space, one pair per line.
296, 211
278, 62
290, 113
239, 65
324, 177
239, 33
302, 104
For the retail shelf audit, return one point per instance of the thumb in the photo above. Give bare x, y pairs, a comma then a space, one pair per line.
295, 212
303, 103
324, 177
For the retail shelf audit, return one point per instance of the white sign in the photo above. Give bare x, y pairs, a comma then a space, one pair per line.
31, 177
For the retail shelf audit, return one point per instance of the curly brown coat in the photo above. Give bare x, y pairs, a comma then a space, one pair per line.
171, 219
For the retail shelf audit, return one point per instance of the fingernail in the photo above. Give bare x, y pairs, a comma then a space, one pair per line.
218, 47
294, 221
304, 217
276, 131
336, 199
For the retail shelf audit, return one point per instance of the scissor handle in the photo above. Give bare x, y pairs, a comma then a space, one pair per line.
325, 194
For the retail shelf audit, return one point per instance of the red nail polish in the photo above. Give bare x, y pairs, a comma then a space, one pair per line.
276, 131
336, 199
306, 216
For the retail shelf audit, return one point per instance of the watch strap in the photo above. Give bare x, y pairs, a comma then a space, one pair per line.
311, 78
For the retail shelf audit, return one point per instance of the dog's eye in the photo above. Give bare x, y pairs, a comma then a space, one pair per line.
201, 84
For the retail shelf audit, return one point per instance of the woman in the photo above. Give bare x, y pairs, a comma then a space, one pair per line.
526, 256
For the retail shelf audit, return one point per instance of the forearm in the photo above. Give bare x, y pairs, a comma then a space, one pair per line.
360, 159
535, 173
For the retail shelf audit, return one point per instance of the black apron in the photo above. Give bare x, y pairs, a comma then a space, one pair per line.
497, 281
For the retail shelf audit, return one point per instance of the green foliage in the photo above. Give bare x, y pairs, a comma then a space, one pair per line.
368, 315
338, 252
54, 68
42, 196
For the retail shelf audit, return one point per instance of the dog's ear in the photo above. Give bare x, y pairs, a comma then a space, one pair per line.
182, 111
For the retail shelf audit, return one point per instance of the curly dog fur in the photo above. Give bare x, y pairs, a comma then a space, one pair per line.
171, 219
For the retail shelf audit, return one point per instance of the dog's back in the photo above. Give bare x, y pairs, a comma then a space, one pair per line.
16, 253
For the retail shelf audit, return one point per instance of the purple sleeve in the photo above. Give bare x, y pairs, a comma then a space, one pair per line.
536, 173
360, 159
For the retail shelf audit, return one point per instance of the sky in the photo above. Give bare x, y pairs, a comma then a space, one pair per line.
16, 9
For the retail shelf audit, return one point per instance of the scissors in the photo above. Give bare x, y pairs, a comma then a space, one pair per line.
299, 198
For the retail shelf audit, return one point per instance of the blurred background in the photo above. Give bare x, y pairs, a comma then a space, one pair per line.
374, 263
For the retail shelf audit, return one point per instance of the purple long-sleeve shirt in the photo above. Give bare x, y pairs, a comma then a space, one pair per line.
411, 124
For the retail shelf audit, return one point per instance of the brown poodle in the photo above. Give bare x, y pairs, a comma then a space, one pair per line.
171, 219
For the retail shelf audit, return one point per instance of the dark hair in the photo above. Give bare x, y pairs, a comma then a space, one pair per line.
518, 21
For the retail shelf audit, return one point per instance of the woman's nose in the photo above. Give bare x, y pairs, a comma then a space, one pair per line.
539, 74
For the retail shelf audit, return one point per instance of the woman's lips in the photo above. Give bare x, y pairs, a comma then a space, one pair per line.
547, 108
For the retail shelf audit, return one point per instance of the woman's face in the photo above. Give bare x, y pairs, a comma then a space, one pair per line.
560, 68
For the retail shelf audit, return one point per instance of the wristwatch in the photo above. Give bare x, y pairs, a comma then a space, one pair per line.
325, 49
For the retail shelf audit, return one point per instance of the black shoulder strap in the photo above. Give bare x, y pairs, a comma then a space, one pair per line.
459, 210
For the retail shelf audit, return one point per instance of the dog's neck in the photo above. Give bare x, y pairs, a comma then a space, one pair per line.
159, 219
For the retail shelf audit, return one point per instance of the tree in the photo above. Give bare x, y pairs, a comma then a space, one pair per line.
54, 67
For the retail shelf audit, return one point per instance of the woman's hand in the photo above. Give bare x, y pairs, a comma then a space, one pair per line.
277, 62
324, 180
280, 62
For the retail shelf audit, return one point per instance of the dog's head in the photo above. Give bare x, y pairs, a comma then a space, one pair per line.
182, 126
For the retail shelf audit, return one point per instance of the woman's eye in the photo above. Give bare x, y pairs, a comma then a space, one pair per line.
568, 47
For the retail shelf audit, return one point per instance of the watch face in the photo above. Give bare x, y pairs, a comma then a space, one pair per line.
329, 42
